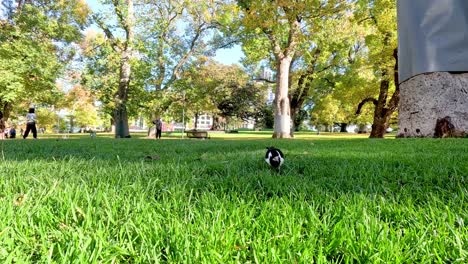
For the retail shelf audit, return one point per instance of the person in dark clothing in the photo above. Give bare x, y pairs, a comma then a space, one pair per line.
30, 124
158, 124
12, 132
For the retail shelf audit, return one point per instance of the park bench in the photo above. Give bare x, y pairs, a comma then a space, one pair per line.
197, 134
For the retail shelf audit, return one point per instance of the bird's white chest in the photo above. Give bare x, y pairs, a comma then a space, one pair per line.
277, 159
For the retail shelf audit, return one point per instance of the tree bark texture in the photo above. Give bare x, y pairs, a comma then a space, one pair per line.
120, 112
6, 108
282, 127
431, 99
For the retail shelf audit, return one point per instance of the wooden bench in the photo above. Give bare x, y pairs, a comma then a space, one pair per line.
197, 134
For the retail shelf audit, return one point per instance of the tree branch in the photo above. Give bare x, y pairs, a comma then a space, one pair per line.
274, 43
118, 12
363, 102
264, 80
395, 100
292, 38
107, 32
201, 28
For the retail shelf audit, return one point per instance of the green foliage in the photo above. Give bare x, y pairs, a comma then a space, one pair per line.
101, 71
203, 87
264, 118
216, 201
244, 102
46, 118
326, 111
169, 35
101, 75
172, 33
86, 116
31, 59
368, 38
81, 105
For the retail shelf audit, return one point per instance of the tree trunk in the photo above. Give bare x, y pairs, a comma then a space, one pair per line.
196, 120
294, 127
282, 109
382, 114
120, 112
112, 125
72, 123
216, 124
294, 121
383, 109
296, 114
6, 108
379, 124
343, 127
121, 122
379, 127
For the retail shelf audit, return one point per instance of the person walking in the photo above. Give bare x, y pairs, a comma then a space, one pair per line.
30, 124
158, 124
2, 126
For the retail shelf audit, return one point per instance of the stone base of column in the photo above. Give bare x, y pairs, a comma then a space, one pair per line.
434, 105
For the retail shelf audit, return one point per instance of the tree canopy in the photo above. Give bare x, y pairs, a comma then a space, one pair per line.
35, 38
329, 59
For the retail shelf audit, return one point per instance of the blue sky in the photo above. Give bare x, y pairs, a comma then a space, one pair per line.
229, 56
226, 56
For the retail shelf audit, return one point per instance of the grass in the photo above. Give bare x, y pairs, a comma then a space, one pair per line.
216, 201
246, 134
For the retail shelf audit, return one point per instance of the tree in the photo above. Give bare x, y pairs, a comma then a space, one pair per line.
165, 37
165, 47
202, 88
345, 84
326, 111
101, 70
174, 32
380, 17
81, 105
277, 28
32, 50
322, 61
124, 47
264, 117
244, 102
46, 118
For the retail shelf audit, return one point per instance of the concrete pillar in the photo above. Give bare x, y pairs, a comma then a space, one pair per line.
429, 97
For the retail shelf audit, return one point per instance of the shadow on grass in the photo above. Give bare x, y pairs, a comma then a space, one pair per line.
384, 167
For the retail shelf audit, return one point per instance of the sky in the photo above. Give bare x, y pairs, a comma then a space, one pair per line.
229, 56
226, 56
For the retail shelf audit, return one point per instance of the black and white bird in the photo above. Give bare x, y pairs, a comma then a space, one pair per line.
274, 157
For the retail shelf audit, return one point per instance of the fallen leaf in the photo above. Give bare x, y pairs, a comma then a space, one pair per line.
20, 199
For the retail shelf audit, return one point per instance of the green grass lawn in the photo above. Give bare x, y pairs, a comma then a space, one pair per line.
337, 200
